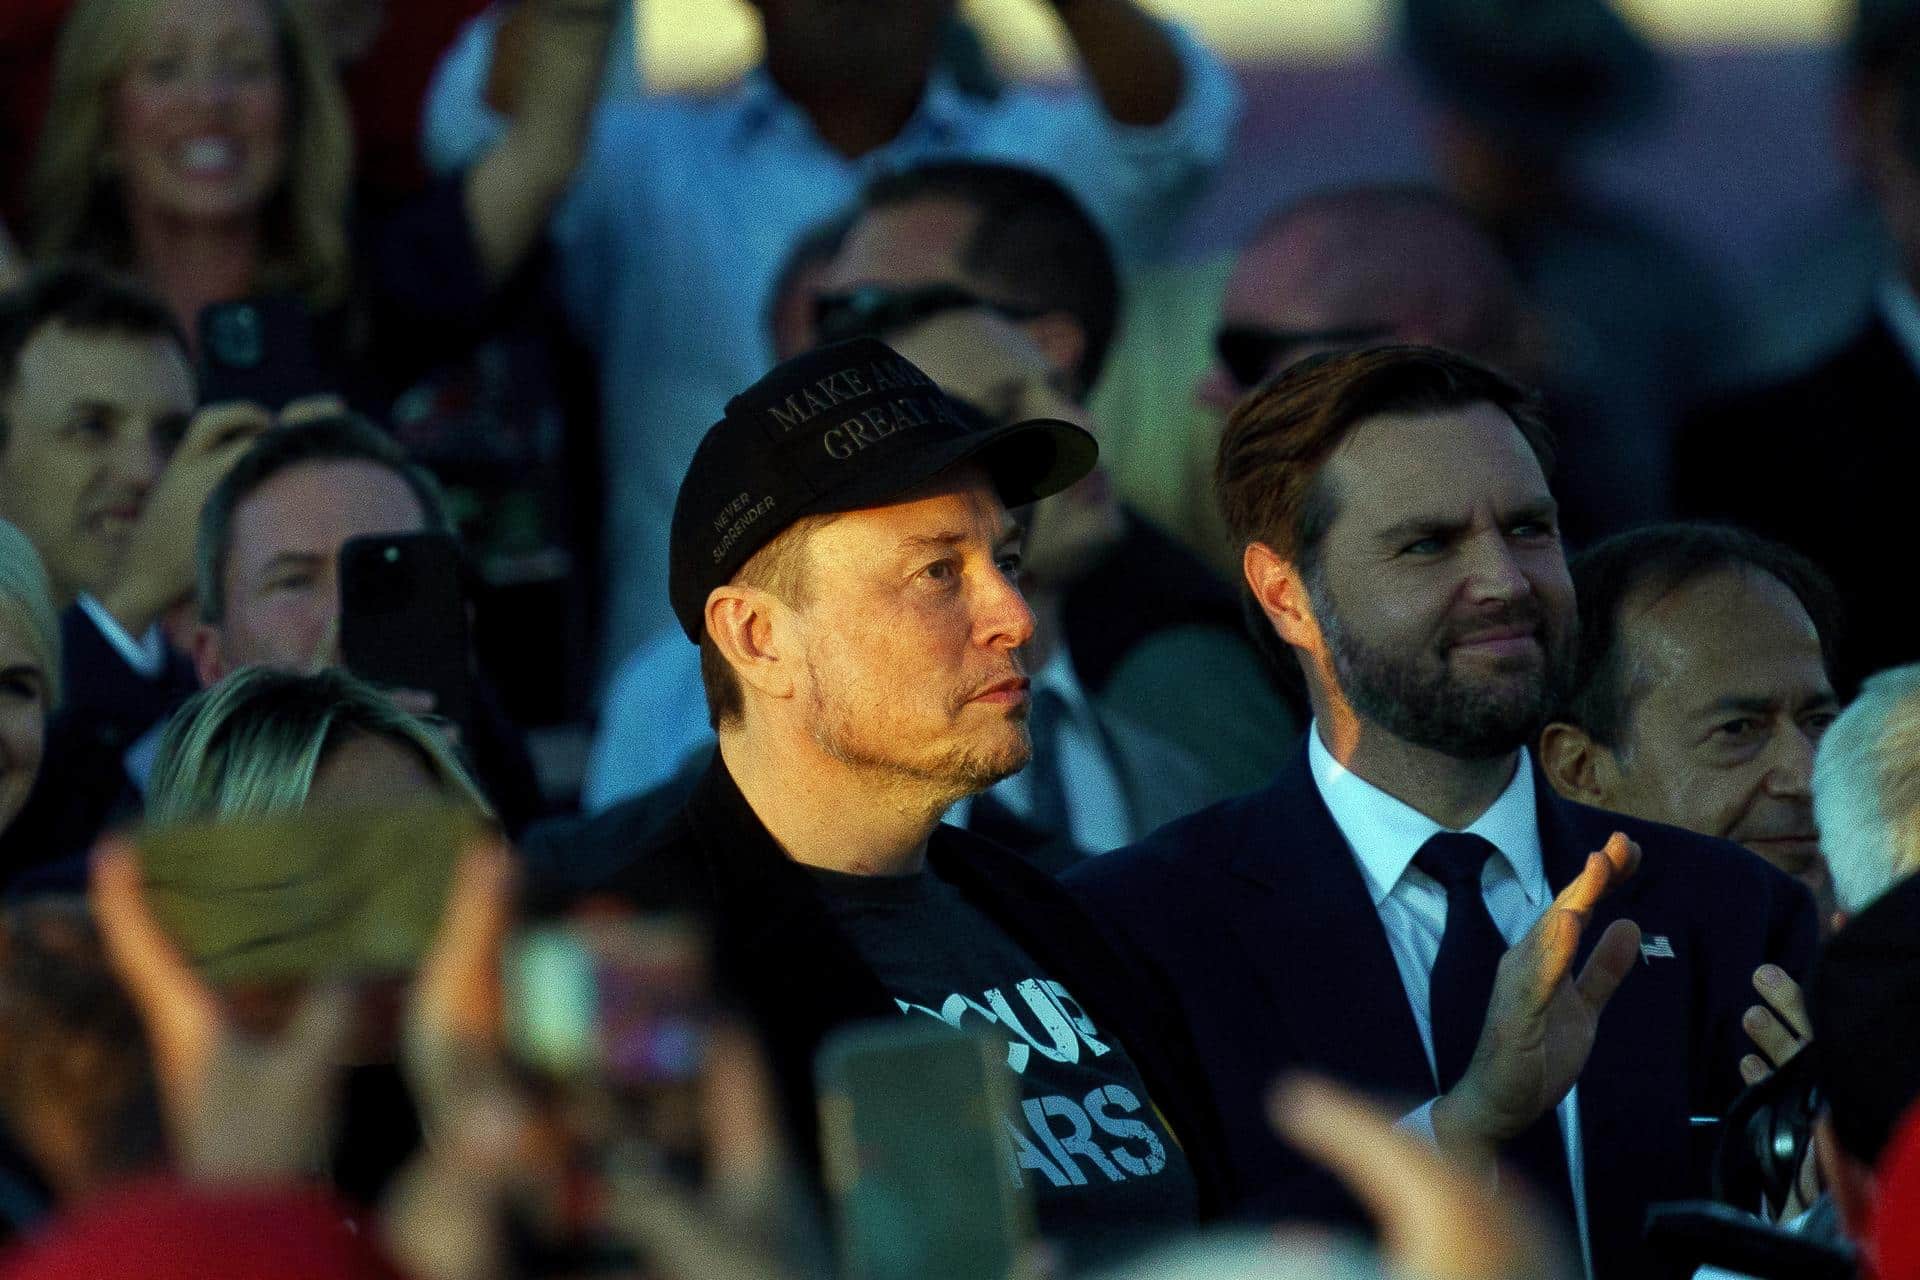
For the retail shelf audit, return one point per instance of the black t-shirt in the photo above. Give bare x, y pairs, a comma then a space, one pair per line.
1107, 1175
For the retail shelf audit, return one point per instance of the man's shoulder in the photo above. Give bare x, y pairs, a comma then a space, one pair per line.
644, 852
1201, 843
1675, 860
958, 853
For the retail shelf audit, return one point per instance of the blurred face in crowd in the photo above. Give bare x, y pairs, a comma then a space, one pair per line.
282, 584
991, 363
1288, 298
23, 719
1728, 697
88, 423
924, 242
908, 627
1444, 606
1007, 367
198, 120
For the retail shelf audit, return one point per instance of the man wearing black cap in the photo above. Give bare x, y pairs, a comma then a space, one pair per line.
843, 556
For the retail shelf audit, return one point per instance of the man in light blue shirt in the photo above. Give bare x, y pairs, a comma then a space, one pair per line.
684, 209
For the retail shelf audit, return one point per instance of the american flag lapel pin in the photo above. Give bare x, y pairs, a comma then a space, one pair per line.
1655, 946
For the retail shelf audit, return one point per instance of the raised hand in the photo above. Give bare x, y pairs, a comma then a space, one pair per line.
1542, 1019
237, 1107
452, 1033
1779, 1028
159, 568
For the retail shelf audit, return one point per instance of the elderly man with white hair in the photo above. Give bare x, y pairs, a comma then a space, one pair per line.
1866, 789
1866, 803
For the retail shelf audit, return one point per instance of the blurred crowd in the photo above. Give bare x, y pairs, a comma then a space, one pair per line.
776, 682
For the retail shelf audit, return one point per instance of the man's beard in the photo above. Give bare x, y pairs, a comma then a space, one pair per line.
1418, 697
941, 777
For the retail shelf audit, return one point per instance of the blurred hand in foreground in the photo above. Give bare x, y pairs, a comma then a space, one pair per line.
1438, 1219
237, 1107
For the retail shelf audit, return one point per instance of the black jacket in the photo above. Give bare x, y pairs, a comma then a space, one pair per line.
1257, 909
779, 954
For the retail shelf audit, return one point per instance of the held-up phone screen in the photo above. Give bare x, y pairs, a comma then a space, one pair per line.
618, 1011
911, 1128
259, 350
403, 617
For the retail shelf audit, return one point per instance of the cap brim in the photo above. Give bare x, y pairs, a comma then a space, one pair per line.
1027, 461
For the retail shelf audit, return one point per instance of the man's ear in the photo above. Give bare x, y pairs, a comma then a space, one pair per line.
209, 655
744, 624
1281, 594
1849, 1181
1578, 767
1061, 340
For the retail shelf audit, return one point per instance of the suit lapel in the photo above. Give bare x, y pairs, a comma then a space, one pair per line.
1633, 1088
774, 916
1302, 911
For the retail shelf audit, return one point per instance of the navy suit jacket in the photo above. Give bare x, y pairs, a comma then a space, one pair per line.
1257, 914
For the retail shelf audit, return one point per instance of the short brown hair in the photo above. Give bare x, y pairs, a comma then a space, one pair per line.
779, 568
1279, 439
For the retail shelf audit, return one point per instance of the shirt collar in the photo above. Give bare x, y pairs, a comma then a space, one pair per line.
1901, 310
1384, 832
146, 654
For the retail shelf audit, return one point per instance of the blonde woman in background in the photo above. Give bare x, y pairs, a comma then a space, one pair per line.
265, 742
29, 668
204, 146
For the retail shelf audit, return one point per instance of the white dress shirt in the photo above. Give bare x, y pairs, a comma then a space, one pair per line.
146, 655
1384, 834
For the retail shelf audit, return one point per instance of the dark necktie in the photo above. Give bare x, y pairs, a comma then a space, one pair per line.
1048, 789
1462, 986
1470, 951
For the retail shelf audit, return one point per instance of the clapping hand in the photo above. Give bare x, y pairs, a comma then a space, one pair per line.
1779, 1028
1542, 1019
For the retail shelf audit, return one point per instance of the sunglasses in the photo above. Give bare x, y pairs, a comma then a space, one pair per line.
875, 311
1252, 353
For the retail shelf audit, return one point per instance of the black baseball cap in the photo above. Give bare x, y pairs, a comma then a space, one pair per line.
839, 428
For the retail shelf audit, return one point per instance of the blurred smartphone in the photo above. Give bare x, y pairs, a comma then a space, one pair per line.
403, 617
917, 1161
259, 349
621, 1007
339, 894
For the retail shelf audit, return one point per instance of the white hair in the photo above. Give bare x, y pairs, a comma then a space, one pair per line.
1866, 789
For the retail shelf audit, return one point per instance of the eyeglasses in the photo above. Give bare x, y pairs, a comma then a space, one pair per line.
874, 311
1252, 353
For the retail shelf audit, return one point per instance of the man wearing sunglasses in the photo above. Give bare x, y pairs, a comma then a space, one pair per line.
1357, 267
